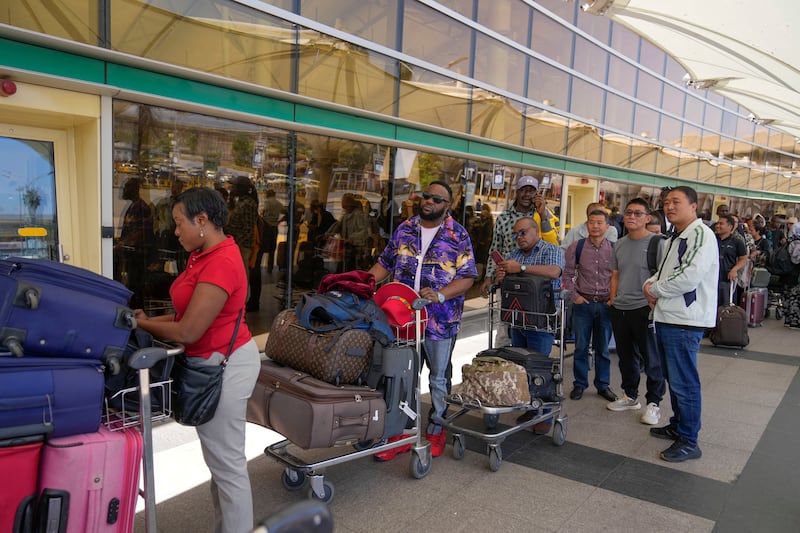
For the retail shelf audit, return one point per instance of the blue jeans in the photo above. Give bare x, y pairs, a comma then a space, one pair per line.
678, 347
534, 340
437, 357
591, 321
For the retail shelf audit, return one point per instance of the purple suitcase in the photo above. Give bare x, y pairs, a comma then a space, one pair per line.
46, 394
57, 310
755, 303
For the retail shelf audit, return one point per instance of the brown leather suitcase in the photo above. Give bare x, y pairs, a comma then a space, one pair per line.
341, 357
312, 413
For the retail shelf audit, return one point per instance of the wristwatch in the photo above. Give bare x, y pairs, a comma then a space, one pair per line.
523, 268
440, 297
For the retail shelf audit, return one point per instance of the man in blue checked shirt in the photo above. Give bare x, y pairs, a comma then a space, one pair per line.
536, 257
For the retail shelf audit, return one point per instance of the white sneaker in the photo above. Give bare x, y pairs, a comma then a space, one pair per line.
624, 404
651, 415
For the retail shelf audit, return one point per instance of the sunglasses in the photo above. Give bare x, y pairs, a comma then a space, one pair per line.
521, 233
631, 213
435, 197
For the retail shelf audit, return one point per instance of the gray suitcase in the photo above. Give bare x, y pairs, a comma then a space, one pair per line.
393, 371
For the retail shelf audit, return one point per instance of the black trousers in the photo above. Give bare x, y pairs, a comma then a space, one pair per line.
637, 350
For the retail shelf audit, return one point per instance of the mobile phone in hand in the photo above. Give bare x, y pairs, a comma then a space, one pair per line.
497, 257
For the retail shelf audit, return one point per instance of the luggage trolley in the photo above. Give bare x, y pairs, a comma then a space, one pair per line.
297, 473
142, 418
542, 410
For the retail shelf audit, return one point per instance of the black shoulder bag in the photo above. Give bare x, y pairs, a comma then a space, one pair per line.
196, 388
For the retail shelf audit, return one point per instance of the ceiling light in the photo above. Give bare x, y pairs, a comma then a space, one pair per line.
760, 121
596, 7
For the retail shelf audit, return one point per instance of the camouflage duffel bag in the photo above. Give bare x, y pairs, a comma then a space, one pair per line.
494, 381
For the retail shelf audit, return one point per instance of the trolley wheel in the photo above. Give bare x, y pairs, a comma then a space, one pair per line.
114, 366
329, 492
294, 480
458, 447
559, 433
495, 458
490, 421
418, 468
32, 299
364, 445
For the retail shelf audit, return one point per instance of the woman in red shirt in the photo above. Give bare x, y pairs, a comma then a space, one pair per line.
208, 297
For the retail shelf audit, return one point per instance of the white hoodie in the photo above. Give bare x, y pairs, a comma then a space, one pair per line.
686, 282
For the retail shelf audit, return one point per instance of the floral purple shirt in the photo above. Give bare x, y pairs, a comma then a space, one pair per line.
449, 257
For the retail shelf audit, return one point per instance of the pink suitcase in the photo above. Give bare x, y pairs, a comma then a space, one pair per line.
755, 303
95, 476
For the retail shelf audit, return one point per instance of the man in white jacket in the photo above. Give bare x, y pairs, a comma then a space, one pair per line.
684, 295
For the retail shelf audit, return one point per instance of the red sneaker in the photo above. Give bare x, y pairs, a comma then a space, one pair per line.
437, 443
388, 455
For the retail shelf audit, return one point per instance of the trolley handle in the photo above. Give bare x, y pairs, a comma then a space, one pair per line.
150, 356
419, 303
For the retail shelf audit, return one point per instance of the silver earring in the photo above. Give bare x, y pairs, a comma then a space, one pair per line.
202, 234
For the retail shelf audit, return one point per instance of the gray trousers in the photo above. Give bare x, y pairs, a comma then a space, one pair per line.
222, 442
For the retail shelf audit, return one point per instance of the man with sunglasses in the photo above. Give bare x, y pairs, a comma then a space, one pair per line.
432, 253
528, 203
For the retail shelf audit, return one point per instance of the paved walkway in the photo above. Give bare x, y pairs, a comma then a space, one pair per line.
607, 477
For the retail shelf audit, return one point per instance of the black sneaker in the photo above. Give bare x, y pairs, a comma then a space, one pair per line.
681, 451
576, 394
667, 433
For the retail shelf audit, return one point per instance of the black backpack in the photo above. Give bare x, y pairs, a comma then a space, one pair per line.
652, 253
779, 261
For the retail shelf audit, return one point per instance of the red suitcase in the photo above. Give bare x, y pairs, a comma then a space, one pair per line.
755, 304
95, 476
19, 466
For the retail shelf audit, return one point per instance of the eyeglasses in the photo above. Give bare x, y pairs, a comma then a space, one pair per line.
632, 213
435, 197
521, 233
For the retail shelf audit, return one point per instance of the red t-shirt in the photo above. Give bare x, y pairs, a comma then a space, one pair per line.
221, 266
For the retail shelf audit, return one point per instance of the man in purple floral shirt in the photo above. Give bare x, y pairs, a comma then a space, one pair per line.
432, 253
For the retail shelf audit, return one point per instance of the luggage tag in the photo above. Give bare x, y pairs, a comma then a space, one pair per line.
408, 410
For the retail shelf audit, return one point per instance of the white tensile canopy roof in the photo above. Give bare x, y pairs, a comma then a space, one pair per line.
742, 49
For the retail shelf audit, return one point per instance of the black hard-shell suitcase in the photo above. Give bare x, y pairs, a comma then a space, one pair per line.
525, 301
57, 310
543, 372
393, 372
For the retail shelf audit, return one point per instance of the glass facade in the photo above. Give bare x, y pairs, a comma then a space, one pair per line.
539, 79
466, 66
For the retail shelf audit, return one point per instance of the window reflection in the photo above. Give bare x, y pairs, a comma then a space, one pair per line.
28, 222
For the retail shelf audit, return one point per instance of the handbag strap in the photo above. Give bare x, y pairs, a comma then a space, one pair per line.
233, 339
